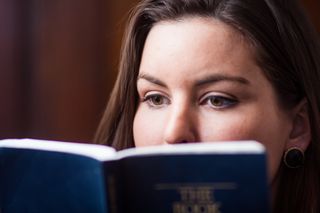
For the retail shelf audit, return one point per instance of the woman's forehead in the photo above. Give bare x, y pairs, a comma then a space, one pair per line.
195, 47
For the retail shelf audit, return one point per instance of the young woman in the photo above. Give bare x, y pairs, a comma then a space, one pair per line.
218, 70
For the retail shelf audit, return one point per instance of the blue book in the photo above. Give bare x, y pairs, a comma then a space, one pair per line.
48, 176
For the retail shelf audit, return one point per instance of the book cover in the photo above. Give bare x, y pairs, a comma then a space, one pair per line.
219, 177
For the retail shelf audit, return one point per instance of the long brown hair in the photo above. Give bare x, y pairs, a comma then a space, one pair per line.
287, 51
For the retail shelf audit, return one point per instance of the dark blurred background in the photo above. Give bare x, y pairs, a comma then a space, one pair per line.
58, 64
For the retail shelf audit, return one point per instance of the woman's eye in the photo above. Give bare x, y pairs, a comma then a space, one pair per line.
156, 100
219, 102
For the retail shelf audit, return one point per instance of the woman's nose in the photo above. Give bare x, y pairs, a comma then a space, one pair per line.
181, 127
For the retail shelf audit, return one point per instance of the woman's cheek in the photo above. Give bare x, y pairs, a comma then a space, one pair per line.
226, 126
147, 127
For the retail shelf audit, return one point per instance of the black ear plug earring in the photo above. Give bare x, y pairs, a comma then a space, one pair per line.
293, 158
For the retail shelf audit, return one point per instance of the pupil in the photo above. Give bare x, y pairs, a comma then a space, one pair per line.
216, 102
157, 100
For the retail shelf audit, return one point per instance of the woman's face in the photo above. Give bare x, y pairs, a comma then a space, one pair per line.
198, 81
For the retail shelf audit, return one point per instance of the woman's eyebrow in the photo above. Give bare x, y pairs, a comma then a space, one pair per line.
219, 77
151, 79
206, 80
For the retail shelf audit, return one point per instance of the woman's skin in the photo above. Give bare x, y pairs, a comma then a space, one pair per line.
199, 82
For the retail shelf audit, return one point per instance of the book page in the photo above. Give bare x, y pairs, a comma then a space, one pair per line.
226, 147
98, 152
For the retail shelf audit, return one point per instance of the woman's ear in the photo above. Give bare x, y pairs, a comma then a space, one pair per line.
300, 135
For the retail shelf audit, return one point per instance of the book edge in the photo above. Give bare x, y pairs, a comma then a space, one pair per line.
221, 147
95, 151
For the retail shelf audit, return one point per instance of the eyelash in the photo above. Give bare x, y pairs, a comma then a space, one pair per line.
223, 101
150, 100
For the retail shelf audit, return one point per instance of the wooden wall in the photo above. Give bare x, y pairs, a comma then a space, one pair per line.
58, 62
312, 7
